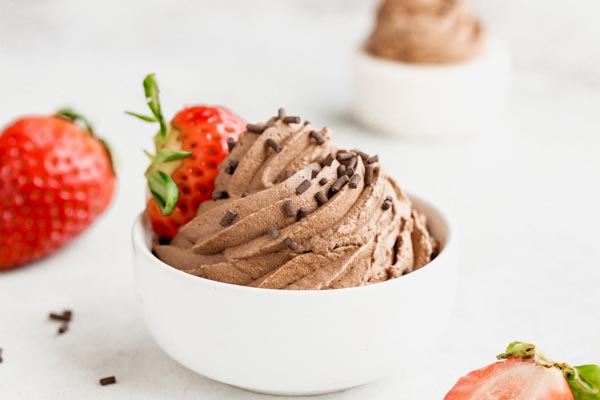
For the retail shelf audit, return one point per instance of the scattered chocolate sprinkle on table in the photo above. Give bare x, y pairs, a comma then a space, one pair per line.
303, 187
323, 181
220, 195
64, 317
230, 143
63, 328
288, 207
256, 128
328, 160
321, 198
273, 232
317, 137
302, 212
274, 145
291, 244
373, 159
369, 174
291, 120
354, 181
228, 218
109, 380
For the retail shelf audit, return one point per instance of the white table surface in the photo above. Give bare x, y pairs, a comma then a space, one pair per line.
526, 195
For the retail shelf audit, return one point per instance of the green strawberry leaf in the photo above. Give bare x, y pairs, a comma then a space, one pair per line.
584, 381
143, 117
164, 190
164, 156
151, 91
72, 115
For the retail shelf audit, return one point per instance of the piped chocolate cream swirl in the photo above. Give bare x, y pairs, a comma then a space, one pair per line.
296, 213
426, 31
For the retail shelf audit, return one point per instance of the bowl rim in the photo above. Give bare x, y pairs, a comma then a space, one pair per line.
138, 233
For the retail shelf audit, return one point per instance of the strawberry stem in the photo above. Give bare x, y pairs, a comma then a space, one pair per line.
71, 115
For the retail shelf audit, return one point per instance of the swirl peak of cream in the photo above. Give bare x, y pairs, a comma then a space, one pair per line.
293, 212
426, 32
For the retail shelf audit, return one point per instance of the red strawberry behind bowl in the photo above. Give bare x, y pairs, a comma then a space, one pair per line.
526, 374
56, 178
187, 153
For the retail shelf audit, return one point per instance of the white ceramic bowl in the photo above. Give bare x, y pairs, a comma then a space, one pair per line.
297, 342
432, 101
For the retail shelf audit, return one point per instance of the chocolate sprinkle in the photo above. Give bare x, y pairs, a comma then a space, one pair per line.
314, 173
321, 198
318, 138
230, 143
388, 198
373, 159
63, 328
286, 175
341, 169
386, 205
281, 113
349, 172
220, 195
303, 187
274, 145
288, 207
343, 156
306, 122
302, 212
291, 120
362, 154
354, 181
273, 232
328, 160
233, 164
1, 355
64, 317
291, 244
228, 218
109, 380
339, 184
245, 194
256, 128
369, 174
352, 163
323, 181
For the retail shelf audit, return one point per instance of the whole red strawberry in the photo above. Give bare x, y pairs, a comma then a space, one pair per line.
56, 177
183, 169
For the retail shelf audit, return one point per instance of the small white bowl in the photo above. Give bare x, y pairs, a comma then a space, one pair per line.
297, 342
446, 101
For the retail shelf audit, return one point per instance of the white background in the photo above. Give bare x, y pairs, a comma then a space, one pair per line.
526, 194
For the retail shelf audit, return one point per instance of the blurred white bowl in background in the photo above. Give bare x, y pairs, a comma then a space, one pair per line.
445, 101
297, 342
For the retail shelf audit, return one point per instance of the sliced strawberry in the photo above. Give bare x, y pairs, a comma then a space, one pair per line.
513, 379
188, 152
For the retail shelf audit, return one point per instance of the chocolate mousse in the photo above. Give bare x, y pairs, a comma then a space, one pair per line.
294, 212
426, 32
